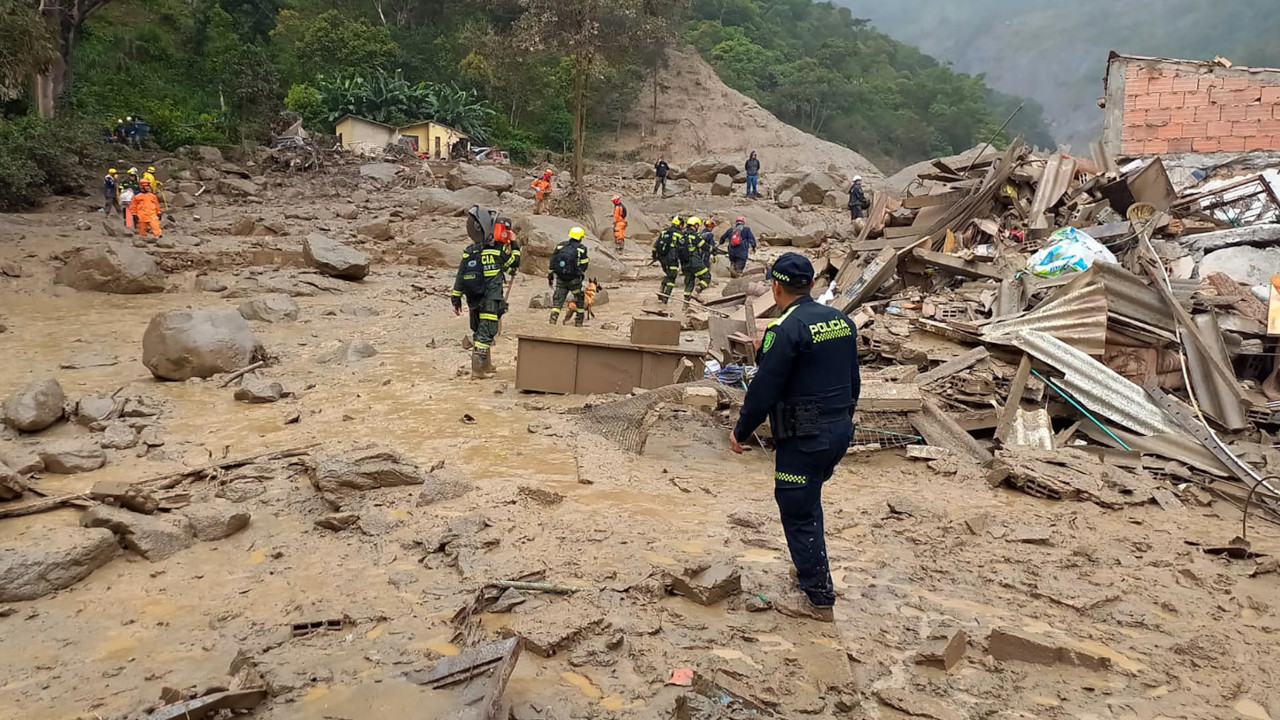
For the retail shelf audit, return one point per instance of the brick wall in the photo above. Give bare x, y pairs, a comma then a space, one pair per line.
1169, 106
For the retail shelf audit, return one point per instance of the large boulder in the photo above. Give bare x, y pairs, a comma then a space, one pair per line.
488, 177
112, 268
723, 185
1244, 264
811, 187
706, 169
273, 308
182, 344
376, 230
675, 188
215, 520
380, 172
641, 171
12, 484
811, 236
47, 559
154, 537
237, 186
340, 477
69, 457
768, 228
439, 201
206, 154
539, 235
433, 252
335, 259
35, 407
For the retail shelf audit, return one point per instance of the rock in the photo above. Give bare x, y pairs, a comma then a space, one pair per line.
190, 188
555, 626
83, 225
641, 171
182, 344
508, 600
80, 361
919, 704
768, 228
237, 186
12, 485
93, 409
1024, 646
11, 269
944, 647
21, 460
114, 227
341, 477
151, 437
439, 201
722, 186
359, 197
255, 390
126, 495
382, 172
338, 521
676, 188
434, 253
270, 228
35, 407
707, 586
335, 259
205, 154
541, 301
811, 236
539, 235
377, 230
243, 226
68, 457
361, 311
51, 558
273, 308
349, 353
347, 212
112, 268
205, 283
811, 187
489, 177
118, 436
1244, 264
444, 483
215, 520
154, 537
541, 496
182, 200
705, 398
706, 169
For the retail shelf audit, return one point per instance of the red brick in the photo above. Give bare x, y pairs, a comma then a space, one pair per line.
1171, 99
1209, 82
1195, 129
1204, 145
1147, 132
1183, 115
1236, 82
1156, 147
1147, 102
1233, 113
1129, 133
1131, 147
1159, 116
1180, 145
1136, 87
1248, 95
1257, 112
1196, 99
1220, 96
1209, 113
1132, 71
1130, 102
1231, 144
1148, 72
1269, 127
1160, 85
1186, 83
1262, 142
1169, 132
1246, 129
1271, 95
1135, 117
1218, 129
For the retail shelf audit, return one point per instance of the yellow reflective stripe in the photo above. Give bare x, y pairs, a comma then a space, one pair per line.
781, 318
490, 251
480, 345
491, 273
456, 293
788, 477
488, 316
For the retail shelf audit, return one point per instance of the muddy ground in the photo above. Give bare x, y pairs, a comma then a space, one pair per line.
1171, 632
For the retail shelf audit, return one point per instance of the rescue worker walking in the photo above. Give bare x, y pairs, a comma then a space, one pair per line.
857, 198
481, 278
157, 187
708, 243
146, 211
111, 192
660, 170
753, 176
666, 252
742, 242
129, 187
619, 220
808, 386
542, 193
697, 277
569, 263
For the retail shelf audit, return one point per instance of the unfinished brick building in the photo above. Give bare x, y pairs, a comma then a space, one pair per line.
1156, 106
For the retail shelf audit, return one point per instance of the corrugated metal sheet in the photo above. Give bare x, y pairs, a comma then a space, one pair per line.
1129, 295
1216, 399
1076, 316
1097, 386
1179, 447
1058, 174
1033, 429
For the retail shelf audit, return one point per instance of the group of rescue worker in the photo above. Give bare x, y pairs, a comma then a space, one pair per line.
687, 246
138, 199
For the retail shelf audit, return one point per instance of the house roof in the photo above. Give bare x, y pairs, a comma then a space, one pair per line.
1215, 63
362, 119
433, 122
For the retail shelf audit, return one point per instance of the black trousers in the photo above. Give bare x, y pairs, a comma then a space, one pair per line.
660, 182
802, 466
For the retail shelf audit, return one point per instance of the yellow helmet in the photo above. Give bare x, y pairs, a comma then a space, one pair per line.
676, 220
695, 220
112, 171
151, 169
577, 233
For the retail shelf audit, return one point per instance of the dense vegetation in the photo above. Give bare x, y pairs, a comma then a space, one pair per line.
1056, 51
818, 67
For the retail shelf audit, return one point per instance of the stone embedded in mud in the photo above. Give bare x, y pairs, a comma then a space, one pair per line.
335, 259
273, 308
444, 483
47, 559
11, 269
707, 586
341, 477
12, 484
943, 648
112, 268
541, 301
919, 704
1016, 644
154, 537
215, 520
434, 253
556, 626
349, 352
118, 436
68, 457
705, 170
182, 200
338, 521
238, 186
466, 175
36, 406
182, 344
376, 230
21, 460
256, 390
243, 225
347, 212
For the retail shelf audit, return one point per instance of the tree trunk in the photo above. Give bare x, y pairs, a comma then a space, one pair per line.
579, 116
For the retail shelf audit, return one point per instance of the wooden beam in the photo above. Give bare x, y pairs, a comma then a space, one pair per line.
1016, 388
953, 366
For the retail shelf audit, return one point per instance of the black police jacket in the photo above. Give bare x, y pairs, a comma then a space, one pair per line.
808, 358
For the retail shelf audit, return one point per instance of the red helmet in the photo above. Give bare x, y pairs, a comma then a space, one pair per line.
617, 200
740, 220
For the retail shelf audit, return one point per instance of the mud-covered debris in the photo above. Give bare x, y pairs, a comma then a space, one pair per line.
45, 559
906, 505
118, 436
928, 452
707, 585
377, 230
112, 268
1031, 536
349, 353
68, 457
1024, 646
540, 301
541, 496
918, 704
508, 600
444, 483
273, 308
11, 269
753, 521
756, 602
83, 360
704, 398
125, 494
978, 524
256, 390
215, 520
210, 705
338, 521
151, 536
180, 344
335, 259
36, 406
729, 693
342, 476
12, 485
943, 648
555, 626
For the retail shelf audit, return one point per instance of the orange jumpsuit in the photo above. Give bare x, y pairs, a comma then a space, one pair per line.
619, 225
146, 208
542, 189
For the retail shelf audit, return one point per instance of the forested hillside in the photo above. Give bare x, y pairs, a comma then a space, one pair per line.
1056, 52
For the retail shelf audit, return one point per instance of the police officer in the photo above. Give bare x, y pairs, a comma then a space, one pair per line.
697, 277
481, 278
666, 254
808, 386
569, 264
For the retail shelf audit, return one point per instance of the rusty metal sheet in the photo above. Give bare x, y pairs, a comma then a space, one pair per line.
1215, 398
940, 430
1096, 386
1054, 182
1128, 295
1076, 316
1178, 447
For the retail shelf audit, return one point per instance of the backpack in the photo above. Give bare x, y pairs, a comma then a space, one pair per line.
736, 239
564, 262
473, 283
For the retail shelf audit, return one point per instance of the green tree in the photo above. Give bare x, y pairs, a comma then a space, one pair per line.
26, 47
330, 44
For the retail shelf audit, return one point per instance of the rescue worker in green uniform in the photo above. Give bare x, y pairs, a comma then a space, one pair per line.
666, 254
481, 278
569, 263
697, 276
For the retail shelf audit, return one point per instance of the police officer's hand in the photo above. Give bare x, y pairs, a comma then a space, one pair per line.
734, 445
457, 307
550, 282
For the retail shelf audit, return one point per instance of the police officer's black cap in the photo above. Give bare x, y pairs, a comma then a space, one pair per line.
793, 270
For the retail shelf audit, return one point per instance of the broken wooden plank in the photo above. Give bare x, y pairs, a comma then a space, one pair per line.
953, 366
875, 275
469, 663
939, 430
958, 266
44, 505
208, 705
916, 202
890, 397
166, 481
